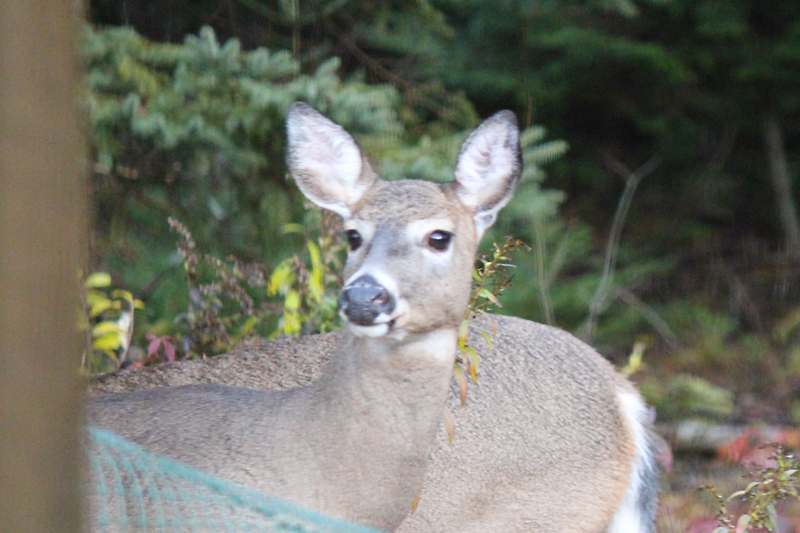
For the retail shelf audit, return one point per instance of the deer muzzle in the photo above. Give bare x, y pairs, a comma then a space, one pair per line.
364, 300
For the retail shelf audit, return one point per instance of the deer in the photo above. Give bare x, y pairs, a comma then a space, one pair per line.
552, 439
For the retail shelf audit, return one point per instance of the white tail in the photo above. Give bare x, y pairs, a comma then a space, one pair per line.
552, 438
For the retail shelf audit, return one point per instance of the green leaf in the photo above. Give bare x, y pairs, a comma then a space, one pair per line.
752, 485
772, 514
737, 494
742, 523
489, 296
110, 353
488, 339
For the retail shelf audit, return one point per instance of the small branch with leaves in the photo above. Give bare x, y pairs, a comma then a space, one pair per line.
491, 278
107, 319
770, 486
221, 312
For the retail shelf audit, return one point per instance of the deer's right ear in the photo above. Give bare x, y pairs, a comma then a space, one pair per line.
325, 161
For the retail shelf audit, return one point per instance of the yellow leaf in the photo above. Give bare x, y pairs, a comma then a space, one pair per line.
634, 359
473, 362
110, 341
281, 279
98, 279
100, 306
472, 372
315, 289
93, 295
291, 323
415, 503
449, 424
247, 327
120, 293
316, 259
462, 334
106, 327
292, 302
293, 228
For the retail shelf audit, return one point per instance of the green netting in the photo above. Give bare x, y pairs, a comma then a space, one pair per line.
132, 490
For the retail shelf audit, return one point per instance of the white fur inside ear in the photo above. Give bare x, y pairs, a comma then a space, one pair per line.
485, 161
488, 168
325, 160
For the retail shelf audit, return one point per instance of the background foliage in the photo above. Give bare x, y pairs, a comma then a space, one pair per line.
675, 223
194, 132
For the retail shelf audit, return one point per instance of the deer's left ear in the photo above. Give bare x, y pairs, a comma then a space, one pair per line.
488, 168
325, 161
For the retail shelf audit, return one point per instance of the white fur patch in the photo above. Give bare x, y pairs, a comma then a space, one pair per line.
628, 518
438, 345
375, 330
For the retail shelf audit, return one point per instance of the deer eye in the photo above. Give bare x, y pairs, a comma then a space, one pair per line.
353, 239
439, 240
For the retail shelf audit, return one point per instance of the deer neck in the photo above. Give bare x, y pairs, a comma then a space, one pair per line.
382, 400
394, 385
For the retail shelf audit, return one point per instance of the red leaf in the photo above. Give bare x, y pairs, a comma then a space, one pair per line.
152, 348
169, 348
461, 379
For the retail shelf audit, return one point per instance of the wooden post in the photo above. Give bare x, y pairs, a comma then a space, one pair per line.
43, 205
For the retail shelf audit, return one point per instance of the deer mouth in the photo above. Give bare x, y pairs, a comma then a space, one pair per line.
378, 328
383, 325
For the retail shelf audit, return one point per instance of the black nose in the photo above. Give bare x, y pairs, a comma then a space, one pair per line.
364, 299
